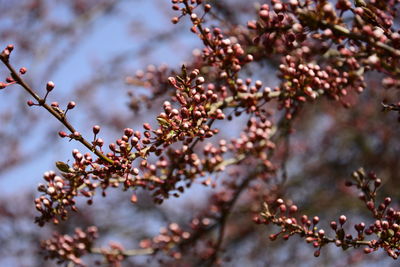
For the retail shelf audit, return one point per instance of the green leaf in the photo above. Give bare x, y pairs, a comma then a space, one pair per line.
62, 166
162, 121
390, 232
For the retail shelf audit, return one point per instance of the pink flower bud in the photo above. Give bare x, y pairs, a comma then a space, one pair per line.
50, 86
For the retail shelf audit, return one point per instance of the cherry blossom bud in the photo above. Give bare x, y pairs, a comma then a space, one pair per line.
342, 219
50, 86
96, 129
71, 105
22, 70
175, 20
62, 134
264, 14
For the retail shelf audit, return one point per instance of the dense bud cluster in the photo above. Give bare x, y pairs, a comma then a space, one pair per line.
276, 28
168, 237
386, 227
302, 82
66, 248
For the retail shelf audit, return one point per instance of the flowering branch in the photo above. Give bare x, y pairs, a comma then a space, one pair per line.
53, 110
386, 226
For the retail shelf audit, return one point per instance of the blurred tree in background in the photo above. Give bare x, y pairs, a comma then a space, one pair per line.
203, 133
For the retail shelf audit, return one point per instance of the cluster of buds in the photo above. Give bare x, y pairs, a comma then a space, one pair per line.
113, 255
179, 168
303, 81
86, 174
282, 27
187, 7
284, 216
168, 238
71, 249
188, 122
213, 156
224, 53
276, 29
371, 24
174, 241
55, 199
378, 15
198, 106
250, 98
60, 191
66, 248
221, 52
184, 165
386, 226
368, 184
255, 141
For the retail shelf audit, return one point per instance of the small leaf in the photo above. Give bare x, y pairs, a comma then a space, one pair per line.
162, 121
390, 232
170, 135
62, 166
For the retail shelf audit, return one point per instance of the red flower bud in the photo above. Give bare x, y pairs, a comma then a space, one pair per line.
71, 105
50, 86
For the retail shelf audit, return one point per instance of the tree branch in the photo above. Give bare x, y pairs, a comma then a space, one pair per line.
42, 102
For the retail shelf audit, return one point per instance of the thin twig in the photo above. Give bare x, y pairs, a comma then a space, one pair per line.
60, 117
126, 253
